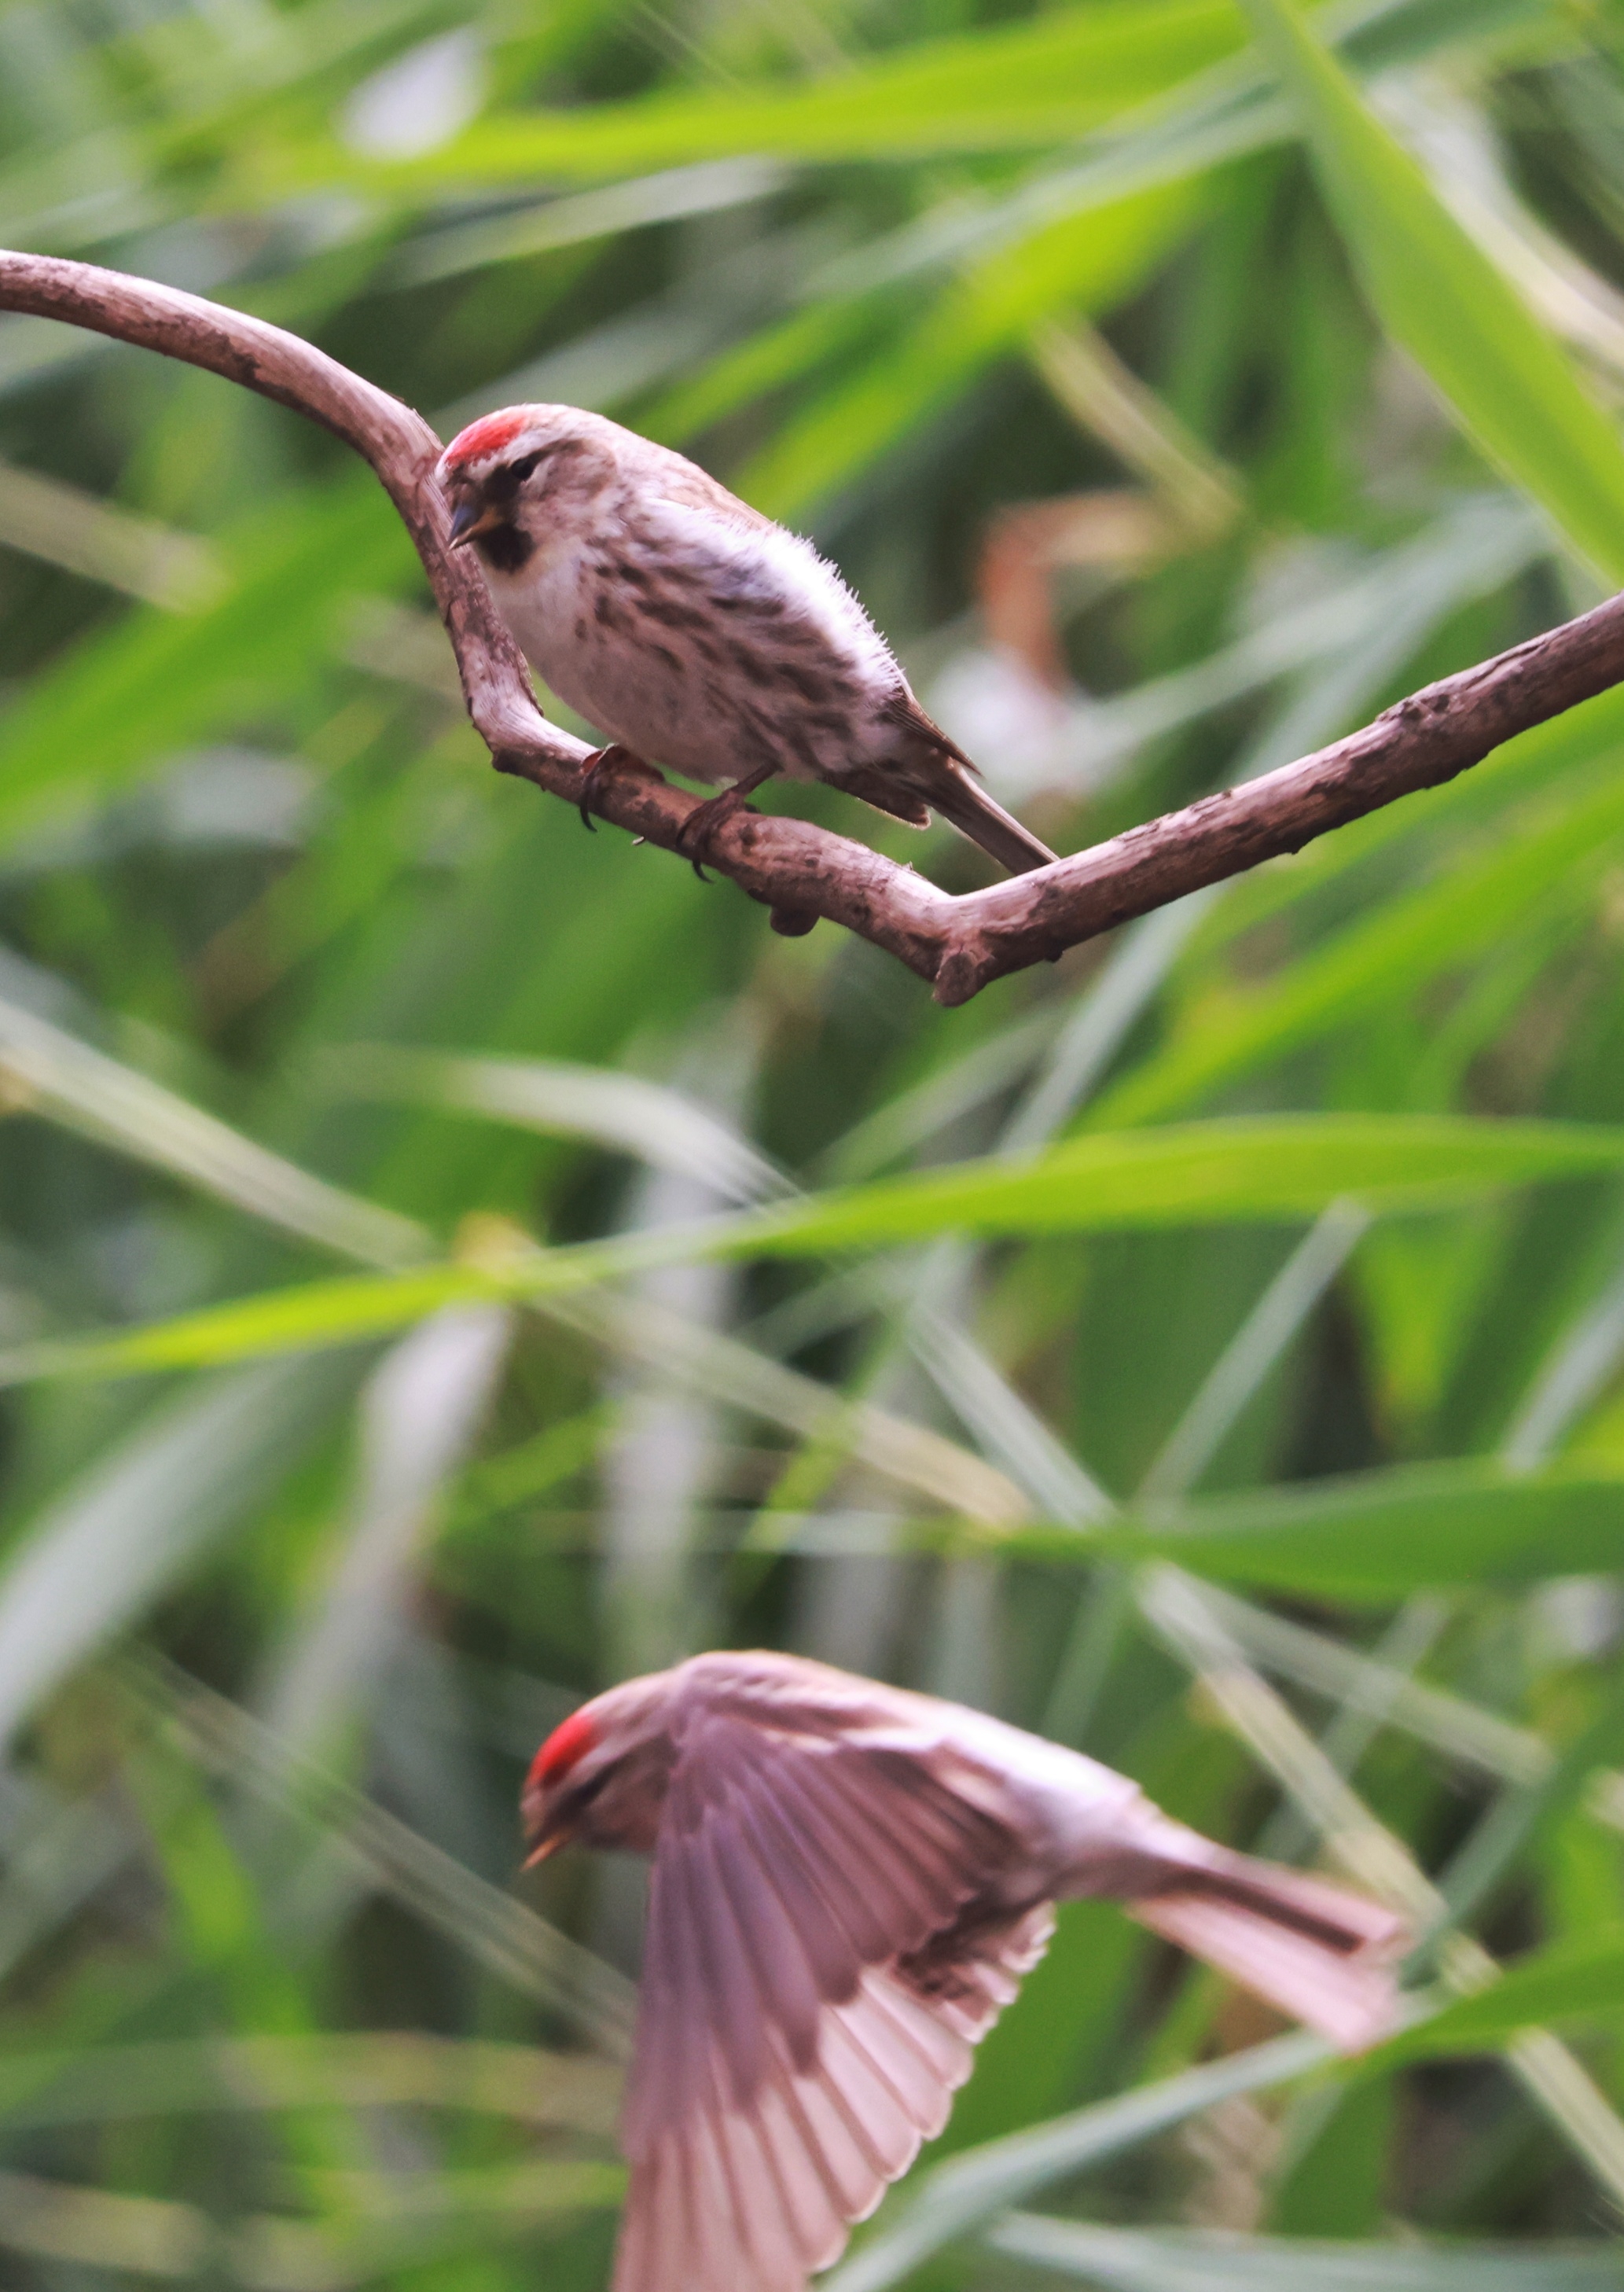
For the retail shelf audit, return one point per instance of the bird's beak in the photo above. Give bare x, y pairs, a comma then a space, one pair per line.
546, 1828
470, 518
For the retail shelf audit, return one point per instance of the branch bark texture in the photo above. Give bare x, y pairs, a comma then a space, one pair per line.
801, 872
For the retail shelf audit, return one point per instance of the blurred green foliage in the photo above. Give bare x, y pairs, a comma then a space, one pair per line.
449, 1261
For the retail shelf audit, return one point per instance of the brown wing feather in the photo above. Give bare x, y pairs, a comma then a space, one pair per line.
886, 792
1314, 1949
682, 480
903, 710
818, 1965
950, 783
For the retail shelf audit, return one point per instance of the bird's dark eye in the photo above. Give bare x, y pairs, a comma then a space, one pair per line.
525, 468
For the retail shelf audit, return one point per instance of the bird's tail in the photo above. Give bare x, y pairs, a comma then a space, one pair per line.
974, 813
1319, 1952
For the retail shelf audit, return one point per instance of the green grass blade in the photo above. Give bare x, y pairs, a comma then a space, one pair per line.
1170, 2260
69, 1081
1575, 1982
1196, 1174
954, 2199
106, 1548
420, 1412
669, 1129
1509, 382
127, 696
1001, 87
1558, 850
1087, 263
1382, 1535
361, 2069
495, 1929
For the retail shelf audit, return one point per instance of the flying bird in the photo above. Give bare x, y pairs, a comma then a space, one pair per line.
694, 633
848, 1883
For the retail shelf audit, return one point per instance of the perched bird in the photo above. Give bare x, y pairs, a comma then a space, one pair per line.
694, 633
848, 1883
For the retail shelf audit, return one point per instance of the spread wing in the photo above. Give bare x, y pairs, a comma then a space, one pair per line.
820, 1960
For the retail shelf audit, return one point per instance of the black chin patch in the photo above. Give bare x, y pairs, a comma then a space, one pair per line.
504, 548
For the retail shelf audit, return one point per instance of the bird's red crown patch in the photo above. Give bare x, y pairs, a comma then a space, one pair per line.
488, 435
562, 1748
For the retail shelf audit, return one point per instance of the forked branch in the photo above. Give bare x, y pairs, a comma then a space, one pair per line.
803, 873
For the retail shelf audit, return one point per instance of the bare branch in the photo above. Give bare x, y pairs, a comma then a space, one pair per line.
803, 873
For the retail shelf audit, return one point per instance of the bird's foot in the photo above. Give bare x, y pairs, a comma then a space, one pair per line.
596, 766
701, 825
703, 822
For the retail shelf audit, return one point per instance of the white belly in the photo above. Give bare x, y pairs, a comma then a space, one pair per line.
786, 685
637, 689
